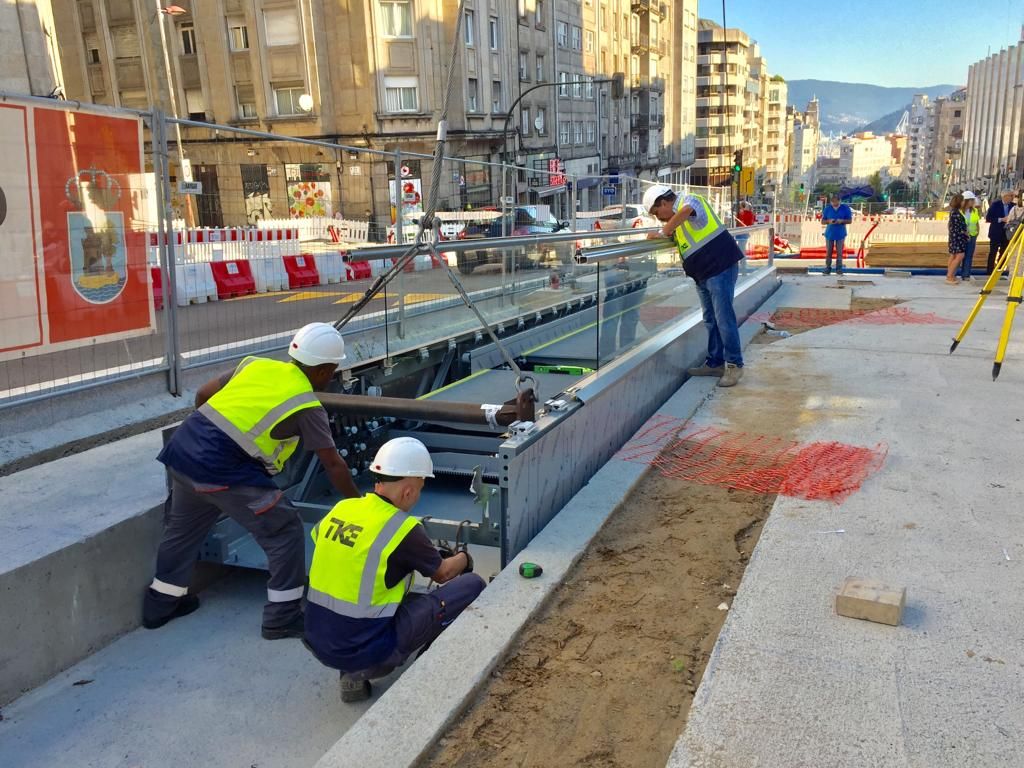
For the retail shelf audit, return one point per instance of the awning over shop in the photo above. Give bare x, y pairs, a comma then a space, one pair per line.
549, 191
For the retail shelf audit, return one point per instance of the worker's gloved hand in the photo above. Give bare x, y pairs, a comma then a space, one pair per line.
469, 561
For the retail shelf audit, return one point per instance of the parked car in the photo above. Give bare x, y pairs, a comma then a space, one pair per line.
523, 220
635, 218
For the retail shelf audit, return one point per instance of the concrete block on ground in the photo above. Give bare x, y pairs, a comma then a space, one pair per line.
871, 600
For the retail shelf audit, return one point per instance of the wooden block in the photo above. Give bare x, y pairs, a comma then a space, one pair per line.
871, 600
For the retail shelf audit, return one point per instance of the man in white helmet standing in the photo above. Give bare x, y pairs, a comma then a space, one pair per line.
361, 618
711, 257
222, 460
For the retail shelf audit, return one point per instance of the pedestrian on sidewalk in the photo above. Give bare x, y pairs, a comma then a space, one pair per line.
957, 228
998, 238
835, 216
972, 218
222, 460
361, 618
711, 257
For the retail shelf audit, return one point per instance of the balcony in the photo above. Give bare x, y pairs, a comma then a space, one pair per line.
645, 6
640, 44
638, 123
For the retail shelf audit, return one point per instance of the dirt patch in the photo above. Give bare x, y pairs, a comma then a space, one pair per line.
606, 675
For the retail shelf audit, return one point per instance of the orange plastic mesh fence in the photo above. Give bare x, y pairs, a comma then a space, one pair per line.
824, 471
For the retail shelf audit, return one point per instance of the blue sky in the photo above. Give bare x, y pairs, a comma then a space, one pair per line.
910, 43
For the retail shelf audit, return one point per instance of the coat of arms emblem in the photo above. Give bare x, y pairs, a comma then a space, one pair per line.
99, 264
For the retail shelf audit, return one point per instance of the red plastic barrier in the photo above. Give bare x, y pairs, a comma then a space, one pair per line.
301, 271
233, 278
358, 270
819, 253
158, 287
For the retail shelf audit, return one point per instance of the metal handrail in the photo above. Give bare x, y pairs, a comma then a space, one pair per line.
495, 243
615, 251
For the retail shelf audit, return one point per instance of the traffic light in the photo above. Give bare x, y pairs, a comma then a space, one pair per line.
737, 161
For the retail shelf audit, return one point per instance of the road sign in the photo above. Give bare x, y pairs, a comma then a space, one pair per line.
613, 179
508, 201
190, 187
608, 191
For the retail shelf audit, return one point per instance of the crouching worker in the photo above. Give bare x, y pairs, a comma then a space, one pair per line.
361, 618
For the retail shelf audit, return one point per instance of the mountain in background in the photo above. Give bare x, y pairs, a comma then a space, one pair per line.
886, 123
845, 107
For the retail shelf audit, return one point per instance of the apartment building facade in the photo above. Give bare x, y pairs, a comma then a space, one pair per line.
920, 135
993, 141
776, 132
804, 146
948, 115
862, 155
680, 113
29, 61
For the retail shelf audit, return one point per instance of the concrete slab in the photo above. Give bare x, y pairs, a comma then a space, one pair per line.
205, 690
789, 680
77, 539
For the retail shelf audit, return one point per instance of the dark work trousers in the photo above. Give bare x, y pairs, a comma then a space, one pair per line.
422, 617
996, 245
266, 513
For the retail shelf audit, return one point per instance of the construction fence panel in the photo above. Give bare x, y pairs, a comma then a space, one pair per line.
81, 301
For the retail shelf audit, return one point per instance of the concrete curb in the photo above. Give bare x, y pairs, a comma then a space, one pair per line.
441, 685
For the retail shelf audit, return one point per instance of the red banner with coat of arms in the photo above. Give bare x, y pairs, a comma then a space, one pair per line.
94, 245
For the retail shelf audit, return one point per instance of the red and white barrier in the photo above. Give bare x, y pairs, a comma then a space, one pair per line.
302, 271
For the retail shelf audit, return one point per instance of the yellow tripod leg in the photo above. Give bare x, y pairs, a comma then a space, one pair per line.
1013, 301
986, 290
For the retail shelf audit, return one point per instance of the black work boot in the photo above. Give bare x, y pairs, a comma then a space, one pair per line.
353, 691
185, 606
294, 628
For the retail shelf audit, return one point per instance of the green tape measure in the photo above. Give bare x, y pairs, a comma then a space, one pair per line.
530, 570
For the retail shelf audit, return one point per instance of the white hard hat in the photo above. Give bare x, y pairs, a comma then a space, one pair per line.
968, 195
317, 344
652, 194
403, 457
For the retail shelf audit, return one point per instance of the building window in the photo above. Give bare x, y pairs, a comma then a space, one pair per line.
525, 122
541, 77
542, 120
563, 132
473, 96
577, 38
238, 34
282, 25
577, 86
492, 30
469, 30
188, 39
496, 97
539, 14
94, 55
195, 104
396, 18
577, 132
591, 132
562, 34
524, 65
401, 94
245, 97
589, 91
563, 84
286, 97
590, 41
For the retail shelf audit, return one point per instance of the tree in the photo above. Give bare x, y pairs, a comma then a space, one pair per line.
875, 180
899, 191
826, 190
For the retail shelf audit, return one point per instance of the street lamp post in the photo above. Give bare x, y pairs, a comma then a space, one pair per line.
617, 82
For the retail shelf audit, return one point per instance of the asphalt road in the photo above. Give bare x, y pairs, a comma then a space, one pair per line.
204, 328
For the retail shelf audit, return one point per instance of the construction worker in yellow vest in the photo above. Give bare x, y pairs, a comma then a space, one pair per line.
972, 218
222, 461
361, 618
711, 257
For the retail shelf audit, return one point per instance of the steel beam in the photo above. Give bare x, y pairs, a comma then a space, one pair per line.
520, 409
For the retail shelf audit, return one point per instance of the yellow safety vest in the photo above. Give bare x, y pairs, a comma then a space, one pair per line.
688, 238
258, 397
353, 543
973, 221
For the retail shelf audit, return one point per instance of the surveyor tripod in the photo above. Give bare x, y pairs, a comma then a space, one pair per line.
1011, 258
